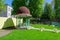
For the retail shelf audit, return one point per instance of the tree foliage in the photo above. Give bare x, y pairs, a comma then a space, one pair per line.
57, 8
48, 12
35, 6
2, 5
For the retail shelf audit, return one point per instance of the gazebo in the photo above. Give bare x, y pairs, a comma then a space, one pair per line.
23, 17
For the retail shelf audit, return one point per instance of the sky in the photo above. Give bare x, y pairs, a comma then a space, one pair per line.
10, 1
48, 1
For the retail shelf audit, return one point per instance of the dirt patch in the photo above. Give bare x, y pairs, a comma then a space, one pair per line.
4, 32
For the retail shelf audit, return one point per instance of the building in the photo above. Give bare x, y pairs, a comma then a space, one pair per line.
7, 12
23, 17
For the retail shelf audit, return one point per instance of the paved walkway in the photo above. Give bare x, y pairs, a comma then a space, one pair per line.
4, 32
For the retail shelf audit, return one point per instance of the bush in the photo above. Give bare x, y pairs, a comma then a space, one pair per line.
8, 23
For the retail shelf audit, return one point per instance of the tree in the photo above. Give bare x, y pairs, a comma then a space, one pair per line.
48, 12
35, 6
57, 8
2, 5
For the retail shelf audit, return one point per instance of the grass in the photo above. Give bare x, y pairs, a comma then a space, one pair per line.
31, 35
8, 23
44, 26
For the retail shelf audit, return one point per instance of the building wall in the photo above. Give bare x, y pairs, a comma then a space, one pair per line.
7, 12
3, 14
2, 20
14, 21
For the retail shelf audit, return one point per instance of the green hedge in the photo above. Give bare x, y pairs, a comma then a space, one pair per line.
8, 23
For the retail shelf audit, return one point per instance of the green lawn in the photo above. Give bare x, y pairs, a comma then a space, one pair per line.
44, 26
31, 35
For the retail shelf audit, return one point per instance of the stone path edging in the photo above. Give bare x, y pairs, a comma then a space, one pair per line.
44, 29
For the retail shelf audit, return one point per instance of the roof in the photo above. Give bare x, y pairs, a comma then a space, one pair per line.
23, 10
23, 15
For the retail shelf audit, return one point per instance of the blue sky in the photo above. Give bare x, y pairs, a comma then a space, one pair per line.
10, 1
48, 1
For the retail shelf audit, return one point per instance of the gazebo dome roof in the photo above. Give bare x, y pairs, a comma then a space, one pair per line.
23, 10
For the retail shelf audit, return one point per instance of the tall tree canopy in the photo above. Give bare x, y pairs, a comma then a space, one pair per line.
48, 12
57, 8
2, 5
35, 6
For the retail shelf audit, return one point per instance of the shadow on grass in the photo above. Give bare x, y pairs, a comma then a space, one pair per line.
9, 28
